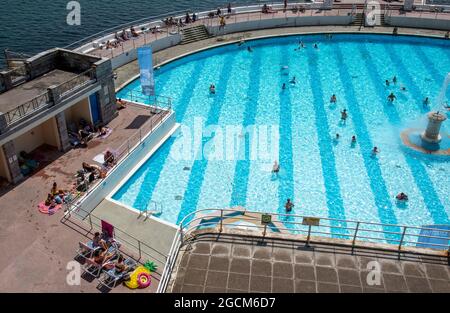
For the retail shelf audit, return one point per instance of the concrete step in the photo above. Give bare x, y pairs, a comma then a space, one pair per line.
195, 33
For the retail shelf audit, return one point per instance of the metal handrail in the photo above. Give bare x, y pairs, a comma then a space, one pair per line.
77, 82
27, 108
44, 99
158, 101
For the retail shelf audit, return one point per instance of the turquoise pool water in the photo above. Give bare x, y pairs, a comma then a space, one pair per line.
322, 176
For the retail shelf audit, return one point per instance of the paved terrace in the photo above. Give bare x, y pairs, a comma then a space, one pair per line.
228, 263
36, 247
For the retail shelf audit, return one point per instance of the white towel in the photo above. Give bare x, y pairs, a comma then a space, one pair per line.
99, 158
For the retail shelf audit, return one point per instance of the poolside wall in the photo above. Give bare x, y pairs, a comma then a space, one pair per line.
281, 22
102, 190
157, 45
417, 22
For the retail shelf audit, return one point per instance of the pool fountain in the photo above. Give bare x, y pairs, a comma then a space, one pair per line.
431, 134
432, 140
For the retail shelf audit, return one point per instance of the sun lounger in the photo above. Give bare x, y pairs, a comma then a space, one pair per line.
111, 278
94, 269
86, 250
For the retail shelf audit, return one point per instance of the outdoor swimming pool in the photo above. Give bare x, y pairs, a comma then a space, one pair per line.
322, 176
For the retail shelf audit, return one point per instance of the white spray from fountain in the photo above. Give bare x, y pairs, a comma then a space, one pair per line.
440, 101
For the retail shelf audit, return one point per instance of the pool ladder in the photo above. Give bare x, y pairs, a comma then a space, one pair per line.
153, 208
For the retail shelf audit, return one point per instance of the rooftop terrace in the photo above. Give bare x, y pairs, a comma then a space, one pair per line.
13, 98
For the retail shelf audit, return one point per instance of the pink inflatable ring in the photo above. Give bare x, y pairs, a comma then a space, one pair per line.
144, 280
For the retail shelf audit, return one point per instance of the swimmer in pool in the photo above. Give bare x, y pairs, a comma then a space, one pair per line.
392, 97
275, 167
333, 98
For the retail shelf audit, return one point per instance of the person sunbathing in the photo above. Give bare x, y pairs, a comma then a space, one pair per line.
120, 266
101, 256
84, 135
90, 167
121, 104
54, 190
109, 45
109, 158
125, 35
134, 32
117, 37
97, 241
50, 201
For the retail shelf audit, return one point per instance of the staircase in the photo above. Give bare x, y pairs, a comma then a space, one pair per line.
382, 22
195, 33
359, 20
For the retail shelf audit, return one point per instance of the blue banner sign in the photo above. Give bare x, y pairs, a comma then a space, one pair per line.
146, 69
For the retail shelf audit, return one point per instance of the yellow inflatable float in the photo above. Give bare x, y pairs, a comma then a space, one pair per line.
139, 278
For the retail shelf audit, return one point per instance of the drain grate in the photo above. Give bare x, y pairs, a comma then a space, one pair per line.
178, 197
186, 168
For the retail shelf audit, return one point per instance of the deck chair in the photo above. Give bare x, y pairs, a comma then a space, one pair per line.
111, 278
85, 250
94, 269
107, 229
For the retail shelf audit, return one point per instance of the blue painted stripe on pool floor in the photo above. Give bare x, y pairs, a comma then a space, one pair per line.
193, 189
403, 75
377, 184
286, 180
435, 74
331, 181
153, 174
188, 90
421, 177
242, 168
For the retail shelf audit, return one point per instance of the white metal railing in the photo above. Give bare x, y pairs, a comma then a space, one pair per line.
157, 101
156, 208
355, 232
